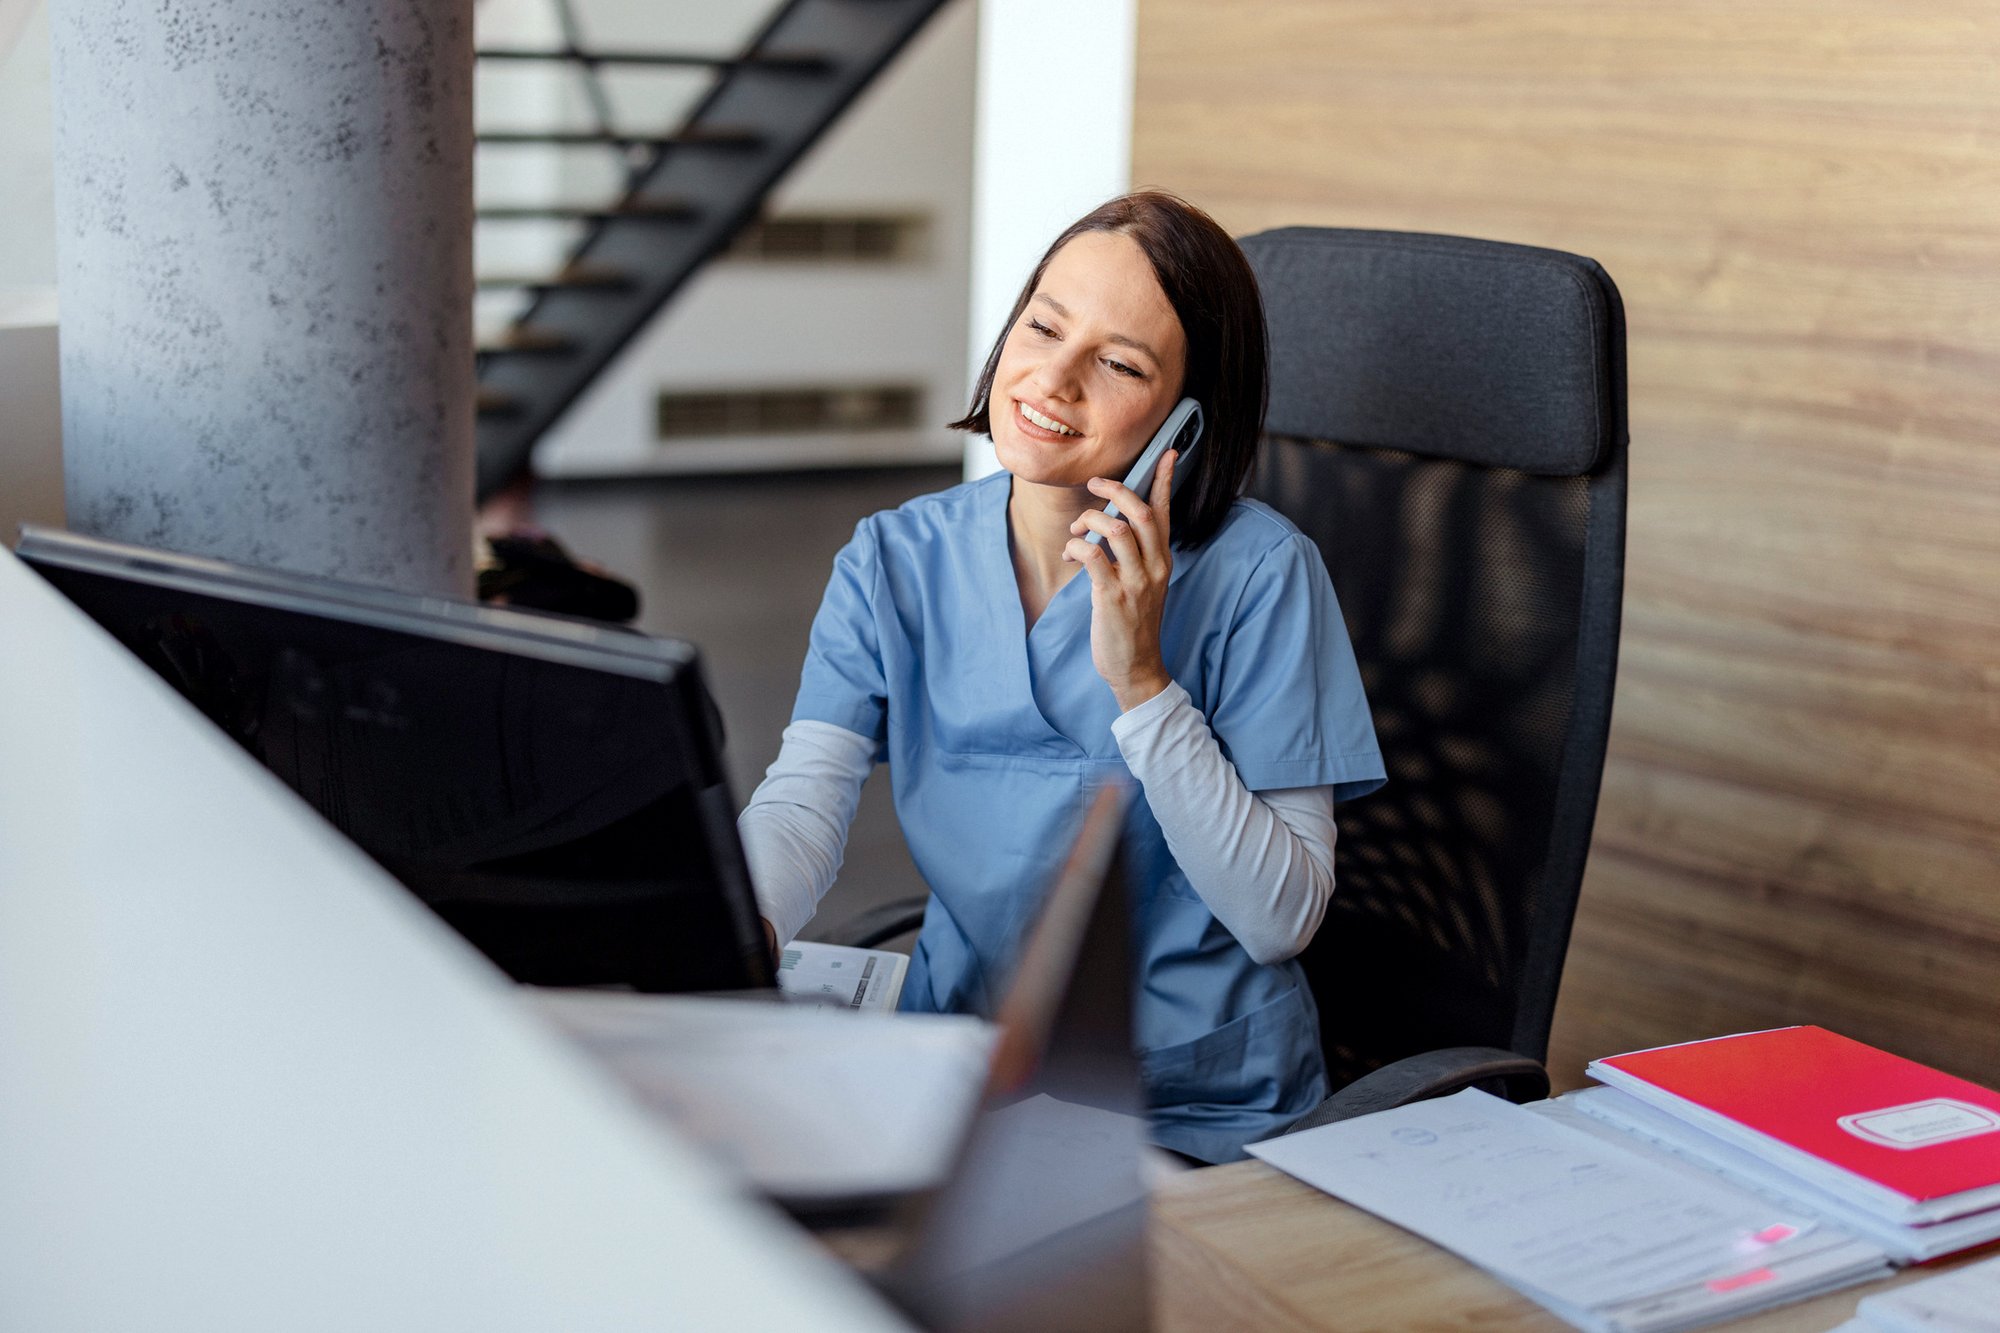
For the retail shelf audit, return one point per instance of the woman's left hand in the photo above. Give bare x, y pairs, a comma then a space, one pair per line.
1129, 593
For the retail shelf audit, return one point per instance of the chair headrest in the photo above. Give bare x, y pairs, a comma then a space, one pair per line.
1487, 353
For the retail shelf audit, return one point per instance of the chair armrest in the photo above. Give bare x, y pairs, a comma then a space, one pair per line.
1417, 1078
878, 924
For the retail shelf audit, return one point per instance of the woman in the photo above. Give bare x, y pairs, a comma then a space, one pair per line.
1005, 667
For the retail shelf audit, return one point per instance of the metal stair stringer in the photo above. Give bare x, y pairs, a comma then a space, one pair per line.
766, 109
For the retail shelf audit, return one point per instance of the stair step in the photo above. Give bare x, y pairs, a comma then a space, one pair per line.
493, 404
638, 210
525, 340
720, 137
570, 279
800, 62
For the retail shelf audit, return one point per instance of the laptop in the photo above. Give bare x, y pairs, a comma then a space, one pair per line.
1005, 1159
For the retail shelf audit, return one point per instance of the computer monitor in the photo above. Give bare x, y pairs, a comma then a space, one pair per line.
552, 788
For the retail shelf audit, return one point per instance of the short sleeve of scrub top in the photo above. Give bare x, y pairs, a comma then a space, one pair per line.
997, 736
842, 682
1284, 698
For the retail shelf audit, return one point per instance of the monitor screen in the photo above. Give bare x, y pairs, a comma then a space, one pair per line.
552, 788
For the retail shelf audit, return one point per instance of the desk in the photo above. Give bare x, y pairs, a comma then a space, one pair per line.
1248, 1247
247, 1082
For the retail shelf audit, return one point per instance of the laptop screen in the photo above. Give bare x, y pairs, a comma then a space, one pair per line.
1042, 1223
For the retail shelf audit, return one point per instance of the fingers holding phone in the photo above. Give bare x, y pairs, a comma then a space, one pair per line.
1129, 573
1136, 531
1179, 433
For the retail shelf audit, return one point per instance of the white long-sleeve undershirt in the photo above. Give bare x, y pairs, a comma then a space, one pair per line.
1262, 862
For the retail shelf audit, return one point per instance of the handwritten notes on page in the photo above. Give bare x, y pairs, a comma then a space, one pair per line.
1601, 1236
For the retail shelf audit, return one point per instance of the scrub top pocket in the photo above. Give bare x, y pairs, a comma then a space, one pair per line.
1246, 1080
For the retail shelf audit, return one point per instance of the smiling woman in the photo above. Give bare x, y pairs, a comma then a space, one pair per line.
1209, 662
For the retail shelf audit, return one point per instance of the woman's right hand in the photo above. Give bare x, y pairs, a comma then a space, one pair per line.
1128, 596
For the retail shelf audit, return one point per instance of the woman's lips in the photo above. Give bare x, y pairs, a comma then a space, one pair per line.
1039, 432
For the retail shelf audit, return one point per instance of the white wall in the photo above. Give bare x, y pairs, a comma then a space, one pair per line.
27, 150
905, 146
1054, 140
14, 15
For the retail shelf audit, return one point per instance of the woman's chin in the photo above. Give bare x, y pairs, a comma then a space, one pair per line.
1032, 461
1040, 472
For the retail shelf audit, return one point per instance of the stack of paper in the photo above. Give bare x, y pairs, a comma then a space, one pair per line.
1896, 1151
1967, 1301
1604, 1235
1905, 1244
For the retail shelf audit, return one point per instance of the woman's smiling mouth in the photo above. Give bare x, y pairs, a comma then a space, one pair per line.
1047, 423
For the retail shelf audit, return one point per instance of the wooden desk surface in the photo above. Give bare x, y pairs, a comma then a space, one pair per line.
1248, 1247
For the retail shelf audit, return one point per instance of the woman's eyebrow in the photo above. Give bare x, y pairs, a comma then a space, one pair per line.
1119, 338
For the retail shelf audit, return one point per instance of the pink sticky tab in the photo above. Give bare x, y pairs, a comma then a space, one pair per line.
1773, 1234
1740, 1280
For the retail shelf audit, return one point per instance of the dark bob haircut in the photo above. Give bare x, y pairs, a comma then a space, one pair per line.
1212, 289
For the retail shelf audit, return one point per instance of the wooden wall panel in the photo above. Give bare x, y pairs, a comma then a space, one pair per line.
1801, 204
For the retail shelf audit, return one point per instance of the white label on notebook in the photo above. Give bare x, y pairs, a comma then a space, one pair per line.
1920, 1124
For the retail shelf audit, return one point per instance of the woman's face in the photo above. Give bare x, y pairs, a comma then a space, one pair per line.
1091, 368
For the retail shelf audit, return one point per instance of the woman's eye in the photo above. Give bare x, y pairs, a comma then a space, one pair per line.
1041, 328
1124, 369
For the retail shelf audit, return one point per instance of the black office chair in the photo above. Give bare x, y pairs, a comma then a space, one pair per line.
1447, 422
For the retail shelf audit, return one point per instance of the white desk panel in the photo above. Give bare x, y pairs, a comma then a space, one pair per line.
246, 1082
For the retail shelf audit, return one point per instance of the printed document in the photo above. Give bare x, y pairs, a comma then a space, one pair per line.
1600, 1235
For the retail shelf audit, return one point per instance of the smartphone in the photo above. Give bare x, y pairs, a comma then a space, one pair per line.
1181, 431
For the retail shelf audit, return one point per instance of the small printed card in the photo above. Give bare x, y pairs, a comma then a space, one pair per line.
834, 976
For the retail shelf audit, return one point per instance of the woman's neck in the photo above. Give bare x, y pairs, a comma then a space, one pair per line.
1038, 519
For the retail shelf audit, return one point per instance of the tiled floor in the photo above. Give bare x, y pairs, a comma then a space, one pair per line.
737, 565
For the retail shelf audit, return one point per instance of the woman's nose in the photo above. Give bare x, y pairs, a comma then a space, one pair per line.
1058, 375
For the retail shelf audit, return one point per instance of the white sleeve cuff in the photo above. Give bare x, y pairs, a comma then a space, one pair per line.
1140, 724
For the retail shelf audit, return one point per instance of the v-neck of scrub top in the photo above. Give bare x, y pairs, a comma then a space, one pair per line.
1070, 698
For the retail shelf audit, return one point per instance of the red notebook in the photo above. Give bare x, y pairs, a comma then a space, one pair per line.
1909, 1142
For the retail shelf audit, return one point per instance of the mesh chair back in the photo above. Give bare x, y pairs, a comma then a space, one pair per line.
1447, 422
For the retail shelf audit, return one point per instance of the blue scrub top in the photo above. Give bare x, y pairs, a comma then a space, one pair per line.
997, 739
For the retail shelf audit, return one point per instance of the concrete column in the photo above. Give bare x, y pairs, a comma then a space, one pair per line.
264, 253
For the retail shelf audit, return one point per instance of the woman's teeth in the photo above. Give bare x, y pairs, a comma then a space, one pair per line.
1047, 423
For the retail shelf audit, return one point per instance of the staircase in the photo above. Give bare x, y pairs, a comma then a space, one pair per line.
685, 194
